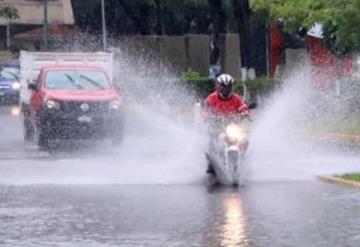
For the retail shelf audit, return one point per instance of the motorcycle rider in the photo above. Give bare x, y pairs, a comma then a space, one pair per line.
224, 101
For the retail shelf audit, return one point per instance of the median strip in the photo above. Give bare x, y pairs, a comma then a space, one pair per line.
344, 180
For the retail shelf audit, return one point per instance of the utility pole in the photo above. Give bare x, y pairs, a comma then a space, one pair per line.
45, 24
8, 34
103, 23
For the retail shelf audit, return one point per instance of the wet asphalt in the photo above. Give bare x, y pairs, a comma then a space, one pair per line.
39, 209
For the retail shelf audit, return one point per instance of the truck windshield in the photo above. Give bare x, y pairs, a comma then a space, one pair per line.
76, 79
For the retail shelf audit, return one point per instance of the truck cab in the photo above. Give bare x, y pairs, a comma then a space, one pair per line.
71, 101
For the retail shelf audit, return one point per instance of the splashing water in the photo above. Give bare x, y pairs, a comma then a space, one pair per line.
280, 148
161, 146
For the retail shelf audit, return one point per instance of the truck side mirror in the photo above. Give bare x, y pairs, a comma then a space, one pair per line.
32, 86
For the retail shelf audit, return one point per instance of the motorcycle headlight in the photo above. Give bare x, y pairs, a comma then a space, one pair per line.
235, 133
115, 104
52, 104
16, 85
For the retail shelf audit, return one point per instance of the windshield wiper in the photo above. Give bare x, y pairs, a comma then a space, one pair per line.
98, 85
77, 85
12, 74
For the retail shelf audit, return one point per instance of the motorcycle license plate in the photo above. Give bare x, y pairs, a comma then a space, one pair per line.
85, 119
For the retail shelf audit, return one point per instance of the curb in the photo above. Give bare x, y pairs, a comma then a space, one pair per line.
339, 137
327, 136
338, 180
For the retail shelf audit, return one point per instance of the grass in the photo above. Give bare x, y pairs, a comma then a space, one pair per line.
346, 125
351, 176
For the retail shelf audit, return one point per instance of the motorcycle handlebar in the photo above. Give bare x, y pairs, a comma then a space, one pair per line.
238, 116
226, 119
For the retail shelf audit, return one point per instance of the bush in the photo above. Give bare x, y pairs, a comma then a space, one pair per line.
204, 86
15, 50
261, 85
201, 85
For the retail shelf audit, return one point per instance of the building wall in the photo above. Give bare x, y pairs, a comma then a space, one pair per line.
173, 52
7, 58
178, 53
31, 12
198, 53
296, 60
183, 52
231, 55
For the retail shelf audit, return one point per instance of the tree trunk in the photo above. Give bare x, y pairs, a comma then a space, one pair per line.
218, 20
159, 29
242, 14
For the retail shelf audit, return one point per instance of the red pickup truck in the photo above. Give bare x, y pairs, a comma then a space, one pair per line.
72, 102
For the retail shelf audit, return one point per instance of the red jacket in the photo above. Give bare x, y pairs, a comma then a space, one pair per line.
214, 104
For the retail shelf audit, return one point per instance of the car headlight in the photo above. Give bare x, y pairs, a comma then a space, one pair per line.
52, 104
16, 85
235, 133
115, 104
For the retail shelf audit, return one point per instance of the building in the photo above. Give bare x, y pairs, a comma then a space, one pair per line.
31, 17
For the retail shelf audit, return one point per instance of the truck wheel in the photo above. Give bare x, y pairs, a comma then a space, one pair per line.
29, 132
43, 139
117, 136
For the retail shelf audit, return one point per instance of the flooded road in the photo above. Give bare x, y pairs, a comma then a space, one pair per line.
151, 194
308, 213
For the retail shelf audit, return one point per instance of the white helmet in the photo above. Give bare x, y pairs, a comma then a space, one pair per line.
225, 79
225, 85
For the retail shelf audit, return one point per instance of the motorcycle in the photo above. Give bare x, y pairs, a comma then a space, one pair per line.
227, 149
228, 145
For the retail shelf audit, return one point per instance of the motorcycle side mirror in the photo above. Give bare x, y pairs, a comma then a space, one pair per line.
252, 105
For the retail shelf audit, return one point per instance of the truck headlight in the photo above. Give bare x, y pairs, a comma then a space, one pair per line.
15, 110
16, 85
115, 104
235, 133
52, 104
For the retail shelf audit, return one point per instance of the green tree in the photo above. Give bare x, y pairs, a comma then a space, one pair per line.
340, 19
124, 17
8, 12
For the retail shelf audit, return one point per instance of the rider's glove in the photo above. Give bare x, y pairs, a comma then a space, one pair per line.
244, 113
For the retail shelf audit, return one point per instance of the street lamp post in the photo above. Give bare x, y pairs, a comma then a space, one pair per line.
103, 23
45, 24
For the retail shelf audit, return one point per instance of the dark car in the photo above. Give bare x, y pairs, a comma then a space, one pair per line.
9, 84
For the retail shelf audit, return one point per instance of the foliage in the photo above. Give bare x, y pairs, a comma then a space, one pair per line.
8, 12
168, 17
15, 50
204, 86
191, 74
261, 85
339, 17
